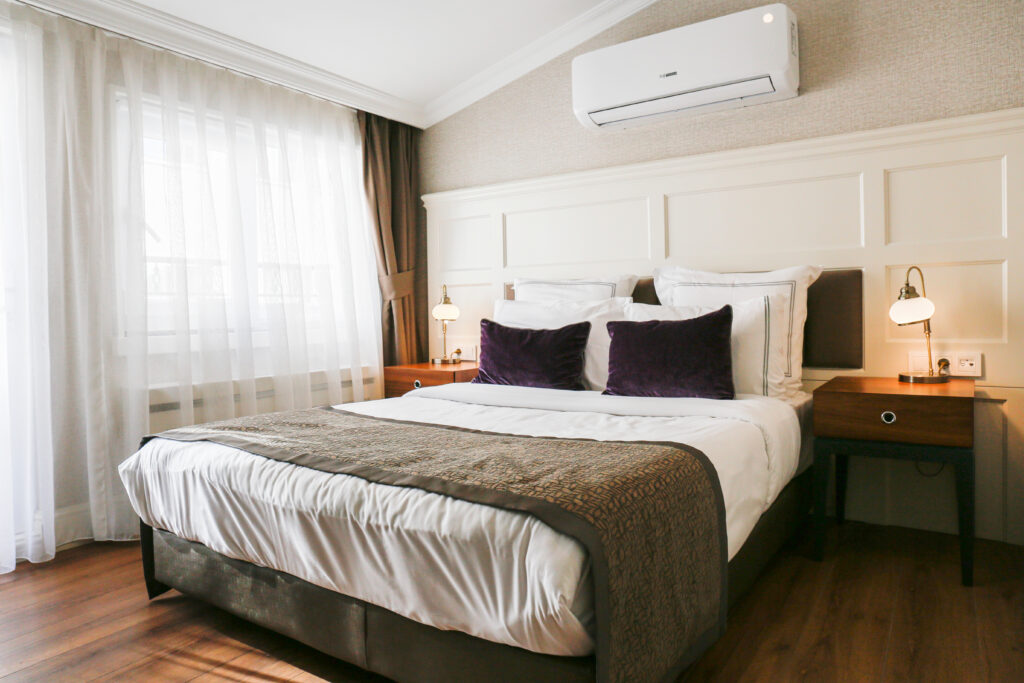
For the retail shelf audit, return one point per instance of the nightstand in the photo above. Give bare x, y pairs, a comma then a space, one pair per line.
399, 379
882, 417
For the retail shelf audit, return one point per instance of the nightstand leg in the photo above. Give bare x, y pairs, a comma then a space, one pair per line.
822, 465
965, 508
842, 467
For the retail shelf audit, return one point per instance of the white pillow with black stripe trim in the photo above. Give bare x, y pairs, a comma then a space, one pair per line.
758, 356
549, 290
678, 286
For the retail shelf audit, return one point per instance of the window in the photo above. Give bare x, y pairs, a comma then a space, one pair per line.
257, 255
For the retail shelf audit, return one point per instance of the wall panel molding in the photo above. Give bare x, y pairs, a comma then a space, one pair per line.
584, 233
839, 206
462, 239
974, 302
811, 206
951, 201
959, 129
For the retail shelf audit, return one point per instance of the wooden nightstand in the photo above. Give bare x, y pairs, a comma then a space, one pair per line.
399, 379
885, 418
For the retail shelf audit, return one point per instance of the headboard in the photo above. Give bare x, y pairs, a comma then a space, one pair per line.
834, 332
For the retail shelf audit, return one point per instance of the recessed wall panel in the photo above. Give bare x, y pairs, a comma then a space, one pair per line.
597, 232
475, 301
466, 244
793, 215
945, 202
969, 301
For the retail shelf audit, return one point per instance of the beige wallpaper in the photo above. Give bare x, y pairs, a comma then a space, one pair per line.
864, 64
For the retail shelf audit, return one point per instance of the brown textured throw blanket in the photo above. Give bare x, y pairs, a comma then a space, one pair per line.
651, 515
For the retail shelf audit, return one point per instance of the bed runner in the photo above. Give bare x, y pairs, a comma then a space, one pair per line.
650, 514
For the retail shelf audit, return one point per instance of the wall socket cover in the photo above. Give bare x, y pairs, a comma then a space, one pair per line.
966, 364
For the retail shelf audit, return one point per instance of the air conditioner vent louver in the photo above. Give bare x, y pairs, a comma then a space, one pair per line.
691, 99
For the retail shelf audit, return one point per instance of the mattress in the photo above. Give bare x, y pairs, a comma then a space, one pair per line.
492, 573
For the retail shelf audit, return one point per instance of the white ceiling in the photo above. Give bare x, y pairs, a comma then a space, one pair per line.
413, 49
413, 60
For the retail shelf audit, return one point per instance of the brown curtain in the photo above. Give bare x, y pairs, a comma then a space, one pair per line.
390, 172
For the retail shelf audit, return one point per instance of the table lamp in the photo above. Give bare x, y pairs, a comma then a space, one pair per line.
912, 308
446, 312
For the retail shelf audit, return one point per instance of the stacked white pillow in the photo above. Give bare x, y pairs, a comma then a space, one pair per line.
551, 315
678, 286
757, 355
539, 290
769, 312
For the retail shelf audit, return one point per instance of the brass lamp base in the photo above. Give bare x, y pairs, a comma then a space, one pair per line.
445, 361
923, 378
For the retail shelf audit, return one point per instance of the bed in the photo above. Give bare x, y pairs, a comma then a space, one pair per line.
417, 585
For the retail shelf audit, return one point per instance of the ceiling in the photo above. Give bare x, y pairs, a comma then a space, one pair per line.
416, 61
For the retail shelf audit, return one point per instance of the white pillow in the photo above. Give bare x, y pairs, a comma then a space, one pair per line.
758, 356
684, 287
551, 316
541, 290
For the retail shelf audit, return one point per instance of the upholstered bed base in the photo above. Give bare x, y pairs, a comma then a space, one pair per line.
383, 642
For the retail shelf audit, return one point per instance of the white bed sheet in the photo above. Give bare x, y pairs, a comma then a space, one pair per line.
499, 575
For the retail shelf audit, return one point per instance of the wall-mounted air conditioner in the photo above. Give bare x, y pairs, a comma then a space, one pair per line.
740, 59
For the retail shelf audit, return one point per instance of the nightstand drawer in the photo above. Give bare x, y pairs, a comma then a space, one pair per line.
401, 379
397, 383
925, 420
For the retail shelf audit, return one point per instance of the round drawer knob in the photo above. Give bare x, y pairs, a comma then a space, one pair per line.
418, 384
888, 417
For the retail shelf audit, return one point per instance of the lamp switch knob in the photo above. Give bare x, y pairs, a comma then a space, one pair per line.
888, 417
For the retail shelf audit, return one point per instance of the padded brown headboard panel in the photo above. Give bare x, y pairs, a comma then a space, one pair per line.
834, 332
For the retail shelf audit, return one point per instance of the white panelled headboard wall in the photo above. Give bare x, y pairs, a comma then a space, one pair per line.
946, 195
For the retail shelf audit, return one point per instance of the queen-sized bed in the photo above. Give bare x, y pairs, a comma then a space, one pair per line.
422, 586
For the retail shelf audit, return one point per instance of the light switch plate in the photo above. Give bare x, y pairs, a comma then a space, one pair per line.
917, 361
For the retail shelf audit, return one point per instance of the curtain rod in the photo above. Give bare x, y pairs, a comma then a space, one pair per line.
48, 8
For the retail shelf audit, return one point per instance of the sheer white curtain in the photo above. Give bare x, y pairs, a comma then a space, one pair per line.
204, 253
26, 443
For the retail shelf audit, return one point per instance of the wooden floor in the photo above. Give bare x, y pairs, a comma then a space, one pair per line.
886, 605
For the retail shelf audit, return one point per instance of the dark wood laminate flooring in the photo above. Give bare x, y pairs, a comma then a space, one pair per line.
885, 605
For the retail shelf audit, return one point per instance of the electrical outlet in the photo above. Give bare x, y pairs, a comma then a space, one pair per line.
917, 361
966, 364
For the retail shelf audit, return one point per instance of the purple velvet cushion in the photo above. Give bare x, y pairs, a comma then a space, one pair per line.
549, 359
672, 358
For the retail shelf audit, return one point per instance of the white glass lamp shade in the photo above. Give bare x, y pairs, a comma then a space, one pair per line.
447, 312
913, 310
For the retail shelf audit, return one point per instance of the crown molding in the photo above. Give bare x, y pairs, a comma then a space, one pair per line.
177, 35
528, 58
970, 126
166, 31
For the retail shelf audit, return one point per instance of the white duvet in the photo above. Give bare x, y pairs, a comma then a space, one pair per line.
499, 575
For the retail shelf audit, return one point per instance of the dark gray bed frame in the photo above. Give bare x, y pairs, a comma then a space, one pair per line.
388, 644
